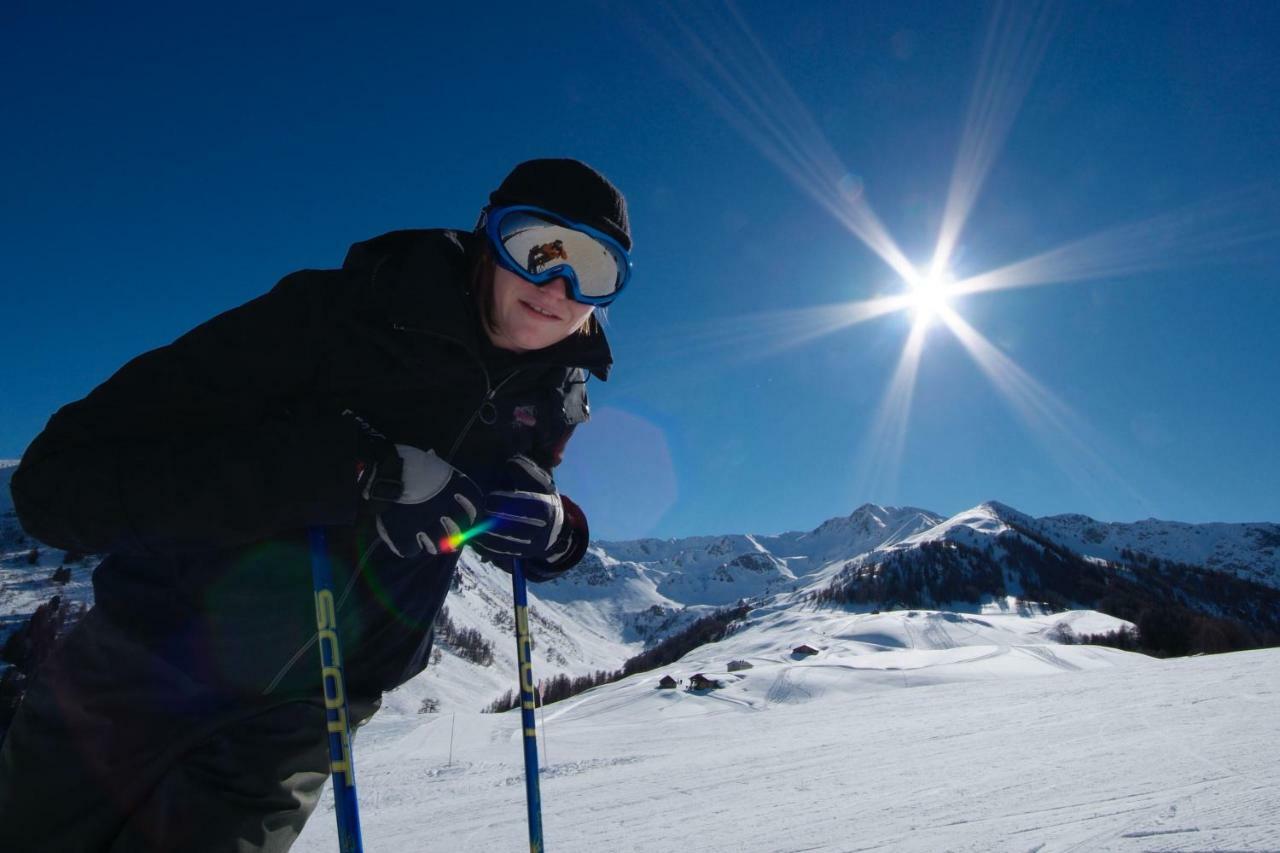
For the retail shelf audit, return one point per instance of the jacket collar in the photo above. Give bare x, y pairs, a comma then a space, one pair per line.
418, 280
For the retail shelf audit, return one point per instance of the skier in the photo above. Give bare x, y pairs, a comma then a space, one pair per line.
429, 384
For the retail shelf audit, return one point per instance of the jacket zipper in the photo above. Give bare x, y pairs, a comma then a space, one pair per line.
487, 401
491, 391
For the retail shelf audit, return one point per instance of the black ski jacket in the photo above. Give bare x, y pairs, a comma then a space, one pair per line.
199, 466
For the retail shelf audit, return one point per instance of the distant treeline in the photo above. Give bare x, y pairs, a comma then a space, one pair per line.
708, 629
1178, 609
467, 643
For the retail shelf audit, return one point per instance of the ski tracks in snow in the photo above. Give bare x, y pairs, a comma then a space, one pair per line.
1049, 656
574, 768
935, 633
785, 691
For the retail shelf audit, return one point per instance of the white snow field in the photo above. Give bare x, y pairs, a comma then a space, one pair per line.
906, 731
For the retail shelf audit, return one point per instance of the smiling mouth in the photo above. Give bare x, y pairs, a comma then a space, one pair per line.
541, 312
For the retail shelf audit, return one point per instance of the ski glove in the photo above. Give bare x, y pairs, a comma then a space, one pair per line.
528, 522
435, 501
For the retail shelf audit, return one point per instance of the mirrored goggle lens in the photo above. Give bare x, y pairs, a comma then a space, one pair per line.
537, 245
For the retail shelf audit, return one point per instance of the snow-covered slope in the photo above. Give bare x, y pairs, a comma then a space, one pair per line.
974, 527
868, 527
713, 571
481, 600
642, 590
921, 731
1249, 551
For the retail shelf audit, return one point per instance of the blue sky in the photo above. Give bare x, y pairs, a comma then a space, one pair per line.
164, 166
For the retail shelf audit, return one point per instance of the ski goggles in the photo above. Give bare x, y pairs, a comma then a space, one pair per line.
539, 246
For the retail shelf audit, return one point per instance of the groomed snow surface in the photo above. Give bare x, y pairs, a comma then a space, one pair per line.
907, 731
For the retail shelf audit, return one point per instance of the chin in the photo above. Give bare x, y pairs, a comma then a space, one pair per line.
525, 339
541, 341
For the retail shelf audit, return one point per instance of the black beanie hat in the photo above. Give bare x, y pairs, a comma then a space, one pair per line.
570, 188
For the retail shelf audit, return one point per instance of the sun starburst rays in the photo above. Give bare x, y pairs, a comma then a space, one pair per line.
1016, 38
717, 53
1191, 234
1062, 433
880, 457
749, 337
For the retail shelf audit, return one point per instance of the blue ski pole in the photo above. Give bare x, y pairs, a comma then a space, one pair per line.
341, 767
523, 656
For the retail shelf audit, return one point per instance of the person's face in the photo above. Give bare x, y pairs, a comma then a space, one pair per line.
529, 317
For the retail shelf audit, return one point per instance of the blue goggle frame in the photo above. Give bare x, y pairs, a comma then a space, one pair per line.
493, 217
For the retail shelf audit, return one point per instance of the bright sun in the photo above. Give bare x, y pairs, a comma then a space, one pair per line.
928, 294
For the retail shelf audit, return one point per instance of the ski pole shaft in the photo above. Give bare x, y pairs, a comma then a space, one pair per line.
341, 766
524, 657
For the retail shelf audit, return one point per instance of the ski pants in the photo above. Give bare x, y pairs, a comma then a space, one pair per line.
114, 751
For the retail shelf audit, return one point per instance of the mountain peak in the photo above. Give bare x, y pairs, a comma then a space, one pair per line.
868, 527
865, 518
1003, 512
884, 514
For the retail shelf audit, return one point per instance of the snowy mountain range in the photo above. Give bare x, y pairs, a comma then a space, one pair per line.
1248, 551
719, 568
626, 596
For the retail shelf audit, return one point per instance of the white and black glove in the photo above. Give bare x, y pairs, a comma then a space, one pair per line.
434, 501
528, 522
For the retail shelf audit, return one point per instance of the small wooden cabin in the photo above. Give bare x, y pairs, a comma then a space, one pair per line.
701, 682
804, 650
668, 683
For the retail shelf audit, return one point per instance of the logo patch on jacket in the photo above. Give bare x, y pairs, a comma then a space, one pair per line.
526, 415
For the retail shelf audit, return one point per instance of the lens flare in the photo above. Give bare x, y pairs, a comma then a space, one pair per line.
449, 544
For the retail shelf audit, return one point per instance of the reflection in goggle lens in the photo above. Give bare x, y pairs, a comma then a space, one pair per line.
537, 245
